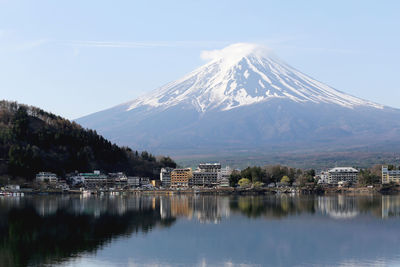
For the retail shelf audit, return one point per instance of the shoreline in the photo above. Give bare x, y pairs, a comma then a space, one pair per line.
220, 191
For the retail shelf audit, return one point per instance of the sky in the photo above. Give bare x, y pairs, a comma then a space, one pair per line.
74, 58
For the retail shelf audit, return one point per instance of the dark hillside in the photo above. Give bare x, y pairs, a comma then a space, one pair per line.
32, 140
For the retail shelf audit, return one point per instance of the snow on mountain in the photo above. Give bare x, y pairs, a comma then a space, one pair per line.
245, 99
243, 74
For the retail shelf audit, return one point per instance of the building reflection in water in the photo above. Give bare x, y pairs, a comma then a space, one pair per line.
390, 206
205, 209
94, 206
42, 230
338, 207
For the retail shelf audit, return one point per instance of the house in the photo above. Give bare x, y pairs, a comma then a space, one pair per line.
77, 180
46, 177
133, 181
62, 185
144, 181
117, 179
12, 188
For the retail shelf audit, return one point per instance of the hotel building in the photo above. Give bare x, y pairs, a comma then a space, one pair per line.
390, 175
342, 174
181, 177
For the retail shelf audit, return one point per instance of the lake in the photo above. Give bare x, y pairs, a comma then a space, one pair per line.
197, 230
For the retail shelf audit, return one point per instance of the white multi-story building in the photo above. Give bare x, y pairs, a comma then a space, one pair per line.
165, 176
46, 177
390, 175
344, 174
206, 174
94, 179
223, 176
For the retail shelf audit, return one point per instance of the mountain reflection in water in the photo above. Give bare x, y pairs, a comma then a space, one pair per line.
40, 230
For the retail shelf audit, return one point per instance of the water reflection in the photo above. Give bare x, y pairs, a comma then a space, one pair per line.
40, 230
205, 209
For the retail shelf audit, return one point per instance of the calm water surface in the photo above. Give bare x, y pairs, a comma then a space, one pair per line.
192, 230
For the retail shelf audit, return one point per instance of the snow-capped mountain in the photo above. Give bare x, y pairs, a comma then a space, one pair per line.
244, 74
245, 98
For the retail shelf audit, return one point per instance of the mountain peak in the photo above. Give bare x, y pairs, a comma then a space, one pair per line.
243, 74
236, 52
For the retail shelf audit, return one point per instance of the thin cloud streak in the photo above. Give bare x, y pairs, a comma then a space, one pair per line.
322, 49
278, 43
32, 44
189, 44
113, 44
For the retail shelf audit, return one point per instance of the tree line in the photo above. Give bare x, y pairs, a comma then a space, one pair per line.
287, 175
32, 140
273, 174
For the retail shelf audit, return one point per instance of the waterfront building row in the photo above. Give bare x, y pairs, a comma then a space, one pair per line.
94, 180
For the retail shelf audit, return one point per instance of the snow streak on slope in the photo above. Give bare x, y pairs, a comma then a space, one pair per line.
244, 74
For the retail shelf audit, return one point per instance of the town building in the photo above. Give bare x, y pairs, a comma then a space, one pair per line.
323, 177
133, 181
181, 177
46, 177
165, 176
117, 179
12, 188
210, 167
144, 181
206, 174
390, 175
345, 174
90, 180
62, 185
204, 178
155, 183
223, 176
76, 180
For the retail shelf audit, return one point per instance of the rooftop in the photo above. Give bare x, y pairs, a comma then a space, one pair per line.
343, 169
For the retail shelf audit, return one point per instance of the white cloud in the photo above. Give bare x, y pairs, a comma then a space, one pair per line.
235, 50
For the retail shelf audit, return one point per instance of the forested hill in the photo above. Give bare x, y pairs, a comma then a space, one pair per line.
32, 140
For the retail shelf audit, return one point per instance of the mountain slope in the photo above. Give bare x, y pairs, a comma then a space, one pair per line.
242, 75
246, 99
32, 140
